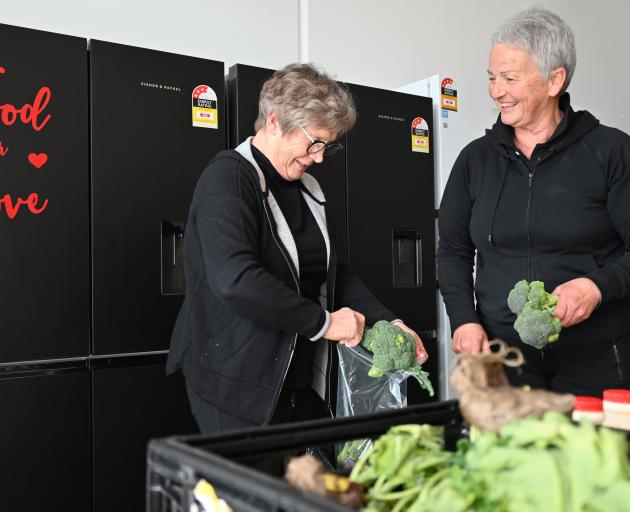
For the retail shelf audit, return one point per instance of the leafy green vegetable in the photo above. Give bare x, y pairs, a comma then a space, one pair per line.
396, 458
536, 322
394, 349
533, 464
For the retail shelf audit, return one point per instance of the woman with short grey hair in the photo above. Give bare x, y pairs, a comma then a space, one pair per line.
545, 37
266, 290
303, 96
541, 197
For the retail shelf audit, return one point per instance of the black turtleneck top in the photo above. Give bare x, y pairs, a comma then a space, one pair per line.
311, 250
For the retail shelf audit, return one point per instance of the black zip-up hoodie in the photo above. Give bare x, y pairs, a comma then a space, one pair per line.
563, 214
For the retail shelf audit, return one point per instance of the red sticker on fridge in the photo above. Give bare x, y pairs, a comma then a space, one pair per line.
28, 113
37, 159
32, 114
11, 208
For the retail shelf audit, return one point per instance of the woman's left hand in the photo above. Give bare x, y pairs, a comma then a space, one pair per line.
577, 300
421, 353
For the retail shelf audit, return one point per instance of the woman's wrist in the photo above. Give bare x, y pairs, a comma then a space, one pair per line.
324, 328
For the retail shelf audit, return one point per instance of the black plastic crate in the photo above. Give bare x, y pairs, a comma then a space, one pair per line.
233, 462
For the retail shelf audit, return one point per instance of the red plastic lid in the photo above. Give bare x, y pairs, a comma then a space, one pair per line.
588, 403
617, 395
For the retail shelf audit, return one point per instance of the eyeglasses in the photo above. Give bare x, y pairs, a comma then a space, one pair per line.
317, 145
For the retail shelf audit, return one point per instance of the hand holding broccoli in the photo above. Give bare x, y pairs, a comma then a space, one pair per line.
421, 353
536, 322
578, 298
394, 349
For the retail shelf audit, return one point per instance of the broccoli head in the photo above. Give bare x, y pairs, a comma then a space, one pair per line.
536, 322
393, 349
539, 298
518, 297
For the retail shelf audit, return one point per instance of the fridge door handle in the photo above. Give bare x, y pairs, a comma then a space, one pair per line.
406, 258
172, 244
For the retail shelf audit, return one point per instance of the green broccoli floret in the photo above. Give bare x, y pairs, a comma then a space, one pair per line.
536, 322
518, 297
536, 294
393, 349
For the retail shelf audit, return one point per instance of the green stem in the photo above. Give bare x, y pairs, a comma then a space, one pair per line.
418, 505
396, 495
401, 505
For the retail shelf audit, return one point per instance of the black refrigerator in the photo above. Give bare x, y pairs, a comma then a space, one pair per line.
379, 193
45, 262
391, 214
156, 119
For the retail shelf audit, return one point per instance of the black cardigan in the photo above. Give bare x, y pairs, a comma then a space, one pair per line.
237, 327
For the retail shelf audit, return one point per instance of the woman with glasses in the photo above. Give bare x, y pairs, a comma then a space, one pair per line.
267, 292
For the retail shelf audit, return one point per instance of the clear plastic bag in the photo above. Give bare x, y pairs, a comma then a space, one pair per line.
358, 393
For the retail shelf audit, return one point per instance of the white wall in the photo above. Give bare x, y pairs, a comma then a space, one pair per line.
383, 43
258, 32
394, 42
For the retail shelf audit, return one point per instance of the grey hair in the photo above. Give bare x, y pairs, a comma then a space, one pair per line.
545, 37
303, 95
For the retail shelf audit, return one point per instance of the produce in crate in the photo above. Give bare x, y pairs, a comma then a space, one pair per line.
207, 499
309, 474
531, 465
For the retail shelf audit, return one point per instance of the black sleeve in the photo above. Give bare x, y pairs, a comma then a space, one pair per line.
229, 214
456, 251
613, 279
351, 292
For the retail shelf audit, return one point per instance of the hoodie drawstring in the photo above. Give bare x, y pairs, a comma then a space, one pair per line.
496, 203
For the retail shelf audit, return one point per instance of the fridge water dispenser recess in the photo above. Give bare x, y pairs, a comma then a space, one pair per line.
407, 258
173, 282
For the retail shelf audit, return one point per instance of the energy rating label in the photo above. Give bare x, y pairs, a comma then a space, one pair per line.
449, 94
204, 107
419, 135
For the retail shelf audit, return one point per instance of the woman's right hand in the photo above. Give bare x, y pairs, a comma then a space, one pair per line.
471, 338
346, 327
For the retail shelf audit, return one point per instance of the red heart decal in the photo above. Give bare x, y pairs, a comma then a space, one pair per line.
2, 70
37, 160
